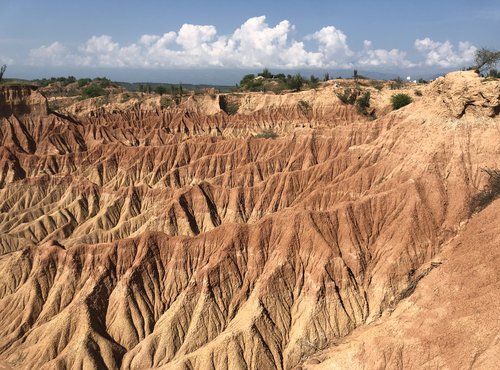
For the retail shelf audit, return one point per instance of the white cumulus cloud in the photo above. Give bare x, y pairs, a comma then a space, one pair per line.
333, 45
191, 36
382, 57
254, 44
443, 54
55, 54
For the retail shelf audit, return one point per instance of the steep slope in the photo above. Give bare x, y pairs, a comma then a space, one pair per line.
175, 239
449, 322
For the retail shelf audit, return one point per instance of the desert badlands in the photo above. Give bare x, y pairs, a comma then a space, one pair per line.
182, 237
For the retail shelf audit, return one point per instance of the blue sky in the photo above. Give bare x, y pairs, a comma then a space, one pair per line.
212, 41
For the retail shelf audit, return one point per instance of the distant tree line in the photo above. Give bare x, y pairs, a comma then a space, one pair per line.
102, 82
266, 80
163, 89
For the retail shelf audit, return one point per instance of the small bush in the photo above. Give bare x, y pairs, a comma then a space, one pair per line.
313, 82
251, 83
363, 103
166, 102
266, 74
295, 83
267, 134
348, 96
278, 88
418, 93
69, 80
93, 91
230, 107
160, 90
304, 106
83, 82
103, 82
400, 100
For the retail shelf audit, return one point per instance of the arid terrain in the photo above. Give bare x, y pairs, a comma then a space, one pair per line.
296, 233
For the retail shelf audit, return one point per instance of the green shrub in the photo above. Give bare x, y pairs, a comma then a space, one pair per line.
166, 102
250, 83
228, 106
83, 81
266, 74
363, 103
232, 108
278, 88
247, 78
347, 96
69, 80
313, 82
296, 82
103, 82
267, 134
400, 100
267, 81
160, 90
93, 91
304, 106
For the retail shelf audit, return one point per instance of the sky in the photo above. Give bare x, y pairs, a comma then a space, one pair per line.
218, 41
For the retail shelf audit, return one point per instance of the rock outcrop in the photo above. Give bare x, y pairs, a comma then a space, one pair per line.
22, 100
179, 238
464, 93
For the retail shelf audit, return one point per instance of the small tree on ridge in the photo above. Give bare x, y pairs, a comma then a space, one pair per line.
2, 71
486, 58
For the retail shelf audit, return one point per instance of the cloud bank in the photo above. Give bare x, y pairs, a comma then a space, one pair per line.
254, 44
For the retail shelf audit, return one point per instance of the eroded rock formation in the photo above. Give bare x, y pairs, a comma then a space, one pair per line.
176, 239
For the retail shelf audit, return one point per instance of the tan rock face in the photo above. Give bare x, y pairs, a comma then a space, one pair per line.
21, 101
178, 238
463, 93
